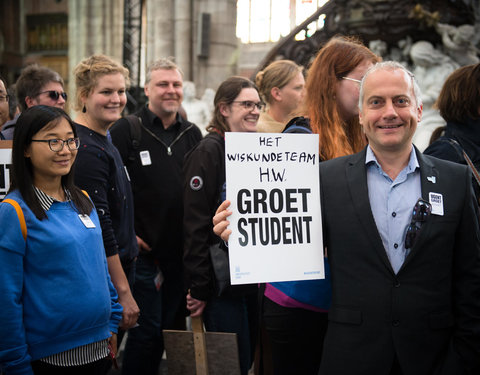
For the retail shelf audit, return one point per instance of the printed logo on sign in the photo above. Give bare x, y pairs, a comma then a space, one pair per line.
196, 183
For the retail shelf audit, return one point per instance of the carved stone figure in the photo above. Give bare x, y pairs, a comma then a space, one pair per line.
379, 47
207, 97
431, 68
197, 110
458, 43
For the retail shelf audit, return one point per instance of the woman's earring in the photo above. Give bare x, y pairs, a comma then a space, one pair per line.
84, 109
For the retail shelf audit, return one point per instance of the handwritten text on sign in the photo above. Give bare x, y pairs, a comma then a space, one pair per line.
273, 185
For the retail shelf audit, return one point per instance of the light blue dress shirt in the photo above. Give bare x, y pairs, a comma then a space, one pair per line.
392, 204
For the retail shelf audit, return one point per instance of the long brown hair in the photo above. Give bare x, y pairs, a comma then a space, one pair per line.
336, 59
459, 99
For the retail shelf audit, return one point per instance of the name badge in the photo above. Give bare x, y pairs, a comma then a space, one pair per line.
87, 221
436, 200
145, 158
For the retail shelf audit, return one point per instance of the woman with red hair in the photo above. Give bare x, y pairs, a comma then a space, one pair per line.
295, 312
331, 100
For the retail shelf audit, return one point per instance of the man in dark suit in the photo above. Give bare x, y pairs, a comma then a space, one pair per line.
403, 244
406, 282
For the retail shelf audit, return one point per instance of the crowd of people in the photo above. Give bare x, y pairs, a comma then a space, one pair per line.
107, 226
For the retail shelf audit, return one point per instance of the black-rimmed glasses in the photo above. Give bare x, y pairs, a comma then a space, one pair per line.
4, 98
247, 104
56, 145
420, 214
54, 95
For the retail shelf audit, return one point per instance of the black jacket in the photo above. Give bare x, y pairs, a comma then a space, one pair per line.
203, 191
426, 315
467, 134
157, 186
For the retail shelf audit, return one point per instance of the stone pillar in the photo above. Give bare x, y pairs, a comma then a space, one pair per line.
223, 53
183, 36
94, 27
160, 27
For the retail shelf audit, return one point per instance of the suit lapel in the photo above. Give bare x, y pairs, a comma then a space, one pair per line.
356, 175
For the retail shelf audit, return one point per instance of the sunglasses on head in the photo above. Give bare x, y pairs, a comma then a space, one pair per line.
421, 212
54, 95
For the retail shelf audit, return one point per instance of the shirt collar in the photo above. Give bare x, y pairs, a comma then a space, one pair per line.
46, 201
152, 117
412, 162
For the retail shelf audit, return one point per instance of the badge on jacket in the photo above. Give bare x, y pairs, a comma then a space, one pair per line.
436, 200
196, 183
145, 158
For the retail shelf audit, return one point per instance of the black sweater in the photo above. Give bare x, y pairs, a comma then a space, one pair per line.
99, 170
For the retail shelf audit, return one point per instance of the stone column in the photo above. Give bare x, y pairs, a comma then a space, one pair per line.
183, 36
223, 53
94, 27
160, 29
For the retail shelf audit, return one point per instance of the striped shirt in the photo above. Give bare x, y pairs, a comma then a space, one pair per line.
84, 354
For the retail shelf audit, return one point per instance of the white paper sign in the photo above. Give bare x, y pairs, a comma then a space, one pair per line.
5, 166
273, 186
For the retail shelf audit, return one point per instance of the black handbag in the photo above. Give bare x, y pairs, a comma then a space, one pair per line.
221, 267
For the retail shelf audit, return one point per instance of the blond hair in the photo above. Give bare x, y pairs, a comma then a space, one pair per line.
278, 74
89, 70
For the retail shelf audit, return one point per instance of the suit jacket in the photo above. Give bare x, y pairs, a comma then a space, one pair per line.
428, 315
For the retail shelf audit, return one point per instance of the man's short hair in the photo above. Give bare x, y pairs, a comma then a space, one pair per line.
391, 65
165, 63
31, 81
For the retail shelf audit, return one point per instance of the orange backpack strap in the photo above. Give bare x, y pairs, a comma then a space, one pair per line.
21, 218
84, 192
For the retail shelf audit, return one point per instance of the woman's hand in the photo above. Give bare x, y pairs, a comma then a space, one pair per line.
195, 306
220, 222
130, 313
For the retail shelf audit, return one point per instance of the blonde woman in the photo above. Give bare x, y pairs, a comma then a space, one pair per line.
101, 85
282, 87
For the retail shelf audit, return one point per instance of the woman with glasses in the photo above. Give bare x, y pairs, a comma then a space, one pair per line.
237, 108
59, 312
295, 313
282, 87
101, 96
331, 98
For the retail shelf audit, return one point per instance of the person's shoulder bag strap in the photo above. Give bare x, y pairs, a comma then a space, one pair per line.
462, 152
21, 217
